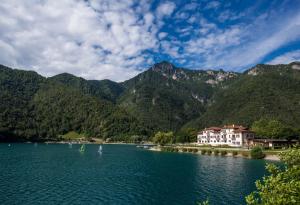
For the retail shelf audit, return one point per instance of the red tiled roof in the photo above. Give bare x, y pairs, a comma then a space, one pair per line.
213, 128
234, 127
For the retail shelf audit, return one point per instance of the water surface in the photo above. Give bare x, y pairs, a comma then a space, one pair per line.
122, 174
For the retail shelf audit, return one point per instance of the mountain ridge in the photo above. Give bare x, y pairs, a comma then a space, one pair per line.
162, 98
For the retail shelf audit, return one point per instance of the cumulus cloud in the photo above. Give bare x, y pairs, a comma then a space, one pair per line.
92, 39
118, 39
286, 58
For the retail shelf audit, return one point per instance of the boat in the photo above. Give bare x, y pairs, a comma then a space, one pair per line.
100, 149
82, 148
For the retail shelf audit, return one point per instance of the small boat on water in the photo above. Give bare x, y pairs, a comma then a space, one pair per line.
82, 148
100, 149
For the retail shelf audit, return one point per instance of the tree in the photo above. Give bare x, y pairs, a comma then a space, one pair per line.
282, 186
186, 135
163, 138
257, 153
272, 129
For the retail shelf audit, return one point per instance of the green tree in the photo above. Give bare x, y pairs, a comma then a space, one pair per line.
282, 186
163, 138
257, 153
272, 129
186, 135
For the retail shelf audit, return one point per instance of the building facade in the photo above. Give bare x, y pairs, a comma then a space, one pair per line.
231, 135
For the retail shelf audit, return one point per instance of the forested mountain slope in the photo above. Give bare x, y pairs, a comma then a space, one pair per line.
265, 91
163, 98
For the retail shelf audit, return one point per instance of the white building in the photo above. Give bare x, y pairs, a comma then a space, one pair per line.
232, 135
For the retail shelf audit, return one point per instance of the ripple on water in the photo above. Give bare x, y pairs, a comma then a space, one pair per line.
57, 174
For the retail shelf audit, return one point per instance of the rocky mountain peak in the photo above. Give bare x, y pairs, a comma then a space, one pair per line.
164, 67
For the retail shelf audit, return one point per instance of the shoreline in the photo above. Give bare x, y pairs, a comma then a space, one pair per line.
235, 152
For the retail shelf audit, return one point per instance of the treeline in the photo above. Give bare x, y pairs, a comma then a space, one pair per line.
37, 109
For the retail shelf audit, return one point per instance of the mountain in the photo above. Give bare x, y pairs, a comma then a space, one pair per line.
36, 108
162, 98
264, 91
165, 97
103, 89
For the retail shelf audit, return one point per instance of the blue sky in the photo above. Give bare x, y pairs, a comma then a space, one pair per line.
104, 39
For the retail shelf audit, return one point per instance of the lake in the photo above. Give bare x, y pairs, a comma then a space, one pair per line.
122, 174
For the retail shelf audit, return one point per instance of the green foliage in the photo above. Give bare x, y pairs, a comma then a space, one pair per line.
163, 138
163, 98
257, 153
169, 149
184, 149
102, 89
186, 135
34, 108
204, 151
282, 186
272, 129
273, 93
163, 103
234, 153
216, 152
209, 152
223, 152
72, 136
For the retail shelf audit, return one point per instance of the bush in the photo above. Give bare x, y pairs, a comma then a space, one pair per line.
209, 152
216, 152
184, 150
169, 149
234, 153
203, 151
281, 185
195, 150
223, 152
257, 153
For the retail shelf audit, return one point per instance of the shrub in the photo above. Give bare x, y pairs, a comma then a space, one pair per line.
203, 151
169, 149
184, 150
209, 152
195, 150
234, 153
216, 152
223, 152
257, 153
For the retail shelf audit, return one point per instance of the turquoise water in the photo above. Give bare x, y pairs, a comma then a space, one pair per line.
122, 174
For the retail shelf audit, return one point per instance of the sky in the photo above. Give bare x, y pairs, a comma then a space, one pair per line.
116, 40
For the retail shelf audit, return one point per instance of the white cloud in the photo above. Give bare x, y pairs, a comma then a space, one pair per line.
165, 9
242, 45
162, 35
212, 5
286, 58
95, 40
